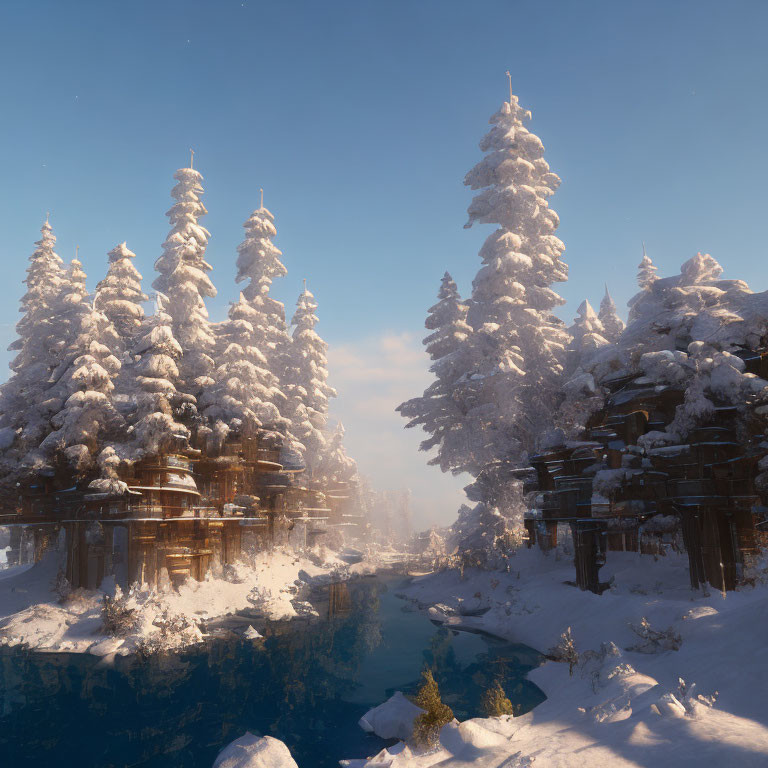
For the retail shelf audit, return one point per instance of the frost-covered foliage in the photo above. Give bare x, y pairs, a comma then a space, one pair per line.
172, 631
244, 391
97, 385
80, 388
499, 358
153, 377
695, 305
515, 357
118, 618
183, 279
654, 640
24, 419
335, 465
565, 651
119, 295
436, 411
306, 381
613, 325
258, 263
646, 272
580, 394
587, 334
482, 536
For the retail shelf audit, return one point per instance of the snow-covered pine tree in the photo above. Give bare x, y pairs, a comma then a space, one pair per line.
244, 390
119, 295
580, 393
77, 277
613, 325
154, 375
82, 382
335, 466
183, 279
586, 334
517, 350
258, 263
646, 271
22, 421
436, 410
306, 381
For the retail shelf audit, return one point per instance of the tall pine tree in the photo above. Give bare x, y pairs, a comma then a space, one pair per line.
258, 263
23, 421
306, 381
183, 279
82, 383
516, 353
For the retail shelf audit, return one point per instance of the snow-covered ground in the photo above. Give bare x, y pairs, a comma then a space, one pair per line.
620, 707
269, 585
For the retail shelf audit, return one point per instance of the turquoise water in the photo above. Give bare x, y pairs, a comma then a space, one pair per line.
307, 684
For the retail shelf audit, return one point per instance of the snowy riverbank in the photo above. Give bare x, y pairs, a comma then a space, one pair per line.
620, 707
271, 585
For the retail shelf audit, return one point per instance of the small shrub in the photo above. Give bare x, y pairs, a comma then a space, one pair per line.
495, 702
426, 727
654, 640
565, 651
117, 618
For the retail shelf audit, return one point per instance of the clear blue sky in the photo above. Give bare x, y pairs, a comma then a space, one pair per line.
360, 119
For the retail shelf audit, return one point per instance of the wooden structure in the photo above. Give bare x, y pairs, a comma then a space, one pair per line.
700, 495
175, 515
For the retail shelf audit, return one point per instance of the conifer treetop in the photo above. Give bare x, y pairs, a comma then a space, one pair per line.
45, 275
182, 277
119, 294
613, 325
646, 271
306, 381
587, 330
335, 465
258, 259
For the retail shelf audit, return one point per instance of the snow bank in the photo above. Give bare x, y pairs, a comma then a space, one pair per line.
393, 719
33, 613
650, 706
250, 751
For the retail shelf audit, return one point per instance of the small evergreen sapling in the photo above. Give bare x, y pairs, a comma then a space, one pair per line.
495, 702
426, 730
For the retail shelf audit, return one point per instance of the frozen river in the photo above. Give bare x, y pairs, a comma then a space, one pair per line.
307, 684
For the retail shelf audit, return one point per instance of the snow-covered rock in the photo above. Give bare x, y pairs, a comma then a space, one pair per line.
251, 751
393, 719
